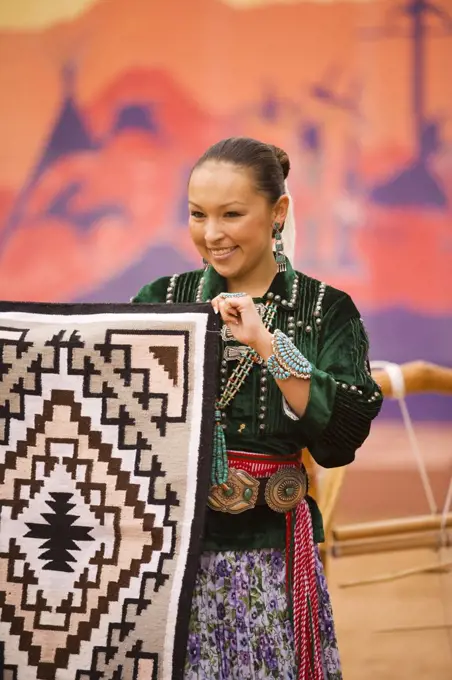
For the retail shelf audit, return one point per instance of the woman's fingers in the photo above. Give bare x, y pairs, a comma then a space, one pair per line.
231, 307
215, 305
228, 312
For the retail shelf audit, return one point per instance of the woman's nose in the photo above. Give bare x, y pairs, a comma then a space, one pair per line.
213, 232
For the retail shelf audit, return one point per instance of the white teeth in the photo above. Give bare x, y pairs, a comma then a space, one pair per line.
222, 251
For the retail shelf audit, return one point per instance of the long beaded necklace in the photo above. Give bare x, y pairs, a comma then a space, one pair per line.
219, 474
231, 387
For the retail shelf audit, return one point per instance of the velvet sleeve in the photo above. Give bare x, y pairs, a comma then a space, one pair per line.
152, 292
344, 399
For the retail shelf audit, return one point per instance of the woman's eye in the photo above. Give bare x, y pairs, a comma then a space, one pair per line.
196, 214
232, 213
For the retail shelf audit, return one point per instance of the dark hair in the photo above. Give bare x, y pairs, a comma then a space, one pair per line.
269, 164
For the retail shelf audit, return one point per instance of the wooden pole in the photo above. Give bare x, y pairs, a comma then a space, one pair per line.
419, 376
314, 486
432, 539
416, 629
394, 575
390, 527
310, 466
397, 534
329, 495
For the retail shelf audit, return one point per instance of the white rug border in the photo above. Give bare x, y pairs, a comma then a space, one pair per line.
200, 321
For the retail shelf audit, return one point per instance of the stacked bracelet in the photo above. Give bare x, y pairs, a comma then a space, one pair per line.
276, 370
287, 360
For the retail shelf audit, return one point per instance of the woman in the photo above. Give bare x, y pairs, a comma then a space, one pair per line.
294, 373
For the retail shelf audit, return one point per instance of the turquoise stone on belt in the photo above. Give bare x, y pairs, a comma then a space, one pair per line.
238, 494
248, 494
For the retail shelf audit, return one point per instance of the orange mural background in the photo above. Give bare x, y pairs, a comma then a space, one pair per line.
105, 109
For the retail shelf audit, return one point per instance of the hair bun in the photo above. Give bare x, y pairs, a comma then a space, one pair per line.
283, 159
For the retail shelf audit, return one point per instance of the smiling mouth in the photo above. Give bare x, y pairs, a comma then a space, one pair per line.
220, 253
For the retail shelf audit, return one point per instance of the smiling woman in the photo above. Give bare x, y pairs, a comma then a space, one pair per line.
233, 206
294, 374
229, 224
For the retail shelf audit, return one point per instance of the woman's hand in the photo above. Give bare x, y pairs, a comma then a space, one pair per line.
243, 320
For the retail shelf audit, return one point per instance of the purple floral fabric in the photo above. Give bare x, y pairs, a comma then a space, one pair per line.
330, 652
240, 627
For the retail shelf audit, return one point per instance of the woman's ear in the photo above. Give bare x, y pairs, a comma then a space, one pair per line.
280, 210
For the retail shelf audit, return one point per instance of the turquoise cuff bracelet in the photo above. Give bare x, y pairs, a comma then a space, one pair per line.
287, 360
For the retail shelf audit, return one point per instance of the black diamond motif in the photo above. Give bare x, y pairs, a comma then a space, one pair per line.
60, 534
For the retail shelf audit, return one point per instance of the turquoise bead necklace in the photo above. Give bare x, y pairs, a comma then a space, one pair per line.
235, 382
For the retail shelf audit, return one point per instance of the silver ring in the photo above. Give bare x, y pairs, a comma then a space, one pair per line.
226, 296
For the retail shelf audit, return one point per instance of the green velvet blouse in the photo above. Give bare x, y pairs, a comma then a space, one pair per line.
326, 327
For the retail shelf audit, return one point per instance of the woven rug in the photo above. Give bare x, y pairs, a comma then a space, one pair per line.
106, 416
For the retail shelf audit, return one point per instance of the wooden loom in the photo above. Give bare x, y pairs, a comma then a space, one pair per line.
411, 532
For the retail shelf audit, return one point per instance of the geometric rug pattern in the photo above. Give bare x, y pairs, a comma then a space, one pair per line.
106, 416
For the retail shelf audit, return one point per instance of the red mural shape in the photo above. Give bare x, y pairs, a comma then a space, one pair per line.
106, 187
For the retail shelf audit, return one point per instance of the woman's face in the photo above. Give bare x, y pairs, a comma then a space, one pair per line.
230, 221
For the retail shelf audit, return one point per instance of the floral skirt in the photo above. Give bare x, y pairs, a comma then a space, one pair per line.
240, 627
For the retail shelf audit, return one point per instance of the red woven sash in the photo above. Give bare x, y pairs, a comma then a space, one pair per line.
300, 565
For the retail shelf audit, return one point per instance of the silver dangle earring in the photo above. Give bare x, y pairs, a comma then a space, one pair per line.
279, 248
205, 263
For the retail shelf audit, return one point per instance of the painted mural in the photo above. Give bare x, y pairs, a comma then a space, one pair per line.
106, 104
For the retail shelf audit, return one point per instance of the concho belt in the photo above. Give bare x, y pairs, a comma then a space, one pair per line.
282, 490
